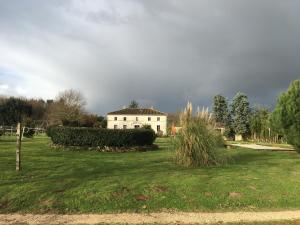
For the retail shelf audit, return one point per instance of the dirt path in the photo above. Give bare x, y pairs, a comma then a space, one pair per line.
262, 147
134, 218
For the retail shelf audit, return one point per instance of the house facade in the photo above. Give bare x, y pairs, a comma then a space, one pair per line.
135, 118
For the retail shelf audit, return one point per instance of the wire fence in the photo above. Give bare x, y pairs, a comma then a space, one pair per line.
12, 130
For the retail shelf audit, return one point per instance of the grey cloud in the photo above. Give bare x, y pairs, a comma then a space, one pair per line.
160, 53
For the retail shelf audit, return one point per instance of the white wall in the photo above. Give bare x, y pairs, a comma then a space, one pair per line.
142, 120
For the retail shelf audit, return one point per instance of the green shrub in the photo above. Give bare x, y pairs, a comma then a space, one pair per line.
28, 133
196, 143
229, 133
219, 140
28, 123
147, 126
99, 137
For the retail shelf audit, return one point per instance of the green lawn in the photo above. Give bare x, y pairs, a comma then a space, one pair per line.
65, 181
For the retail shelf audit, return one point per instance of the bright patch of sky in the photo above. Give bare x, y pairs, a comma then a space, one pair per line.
10, 83
15, 84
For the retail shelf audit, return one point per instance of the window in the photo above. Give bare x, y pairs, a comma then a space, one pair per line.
116, 118
158, 128
124, 118
124, 127
136, 119
158, 118
136, 126
115, 126
149, 118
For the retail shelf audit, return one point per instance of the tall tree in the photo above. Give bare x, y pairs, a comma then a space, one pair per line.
38, 108
241, 114
14, 110
133, 104
67, 108
275, 123
287, 114
220, 110
259, 122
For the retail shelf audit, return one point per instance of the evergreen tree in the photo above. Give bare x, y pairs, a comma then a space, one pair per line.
229, 129
14, 110
287, 114
241, 114
220, 109
133, 104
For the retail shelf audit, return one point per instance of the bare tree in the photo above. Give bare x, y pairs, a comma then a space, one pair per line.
68, 106
72, 99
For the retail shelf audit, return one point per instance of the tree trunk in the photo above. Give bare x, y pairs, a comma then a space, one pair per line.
18, 150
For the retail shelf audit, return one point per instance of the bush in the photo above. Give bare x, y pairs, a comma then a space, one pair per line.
147, 126
196, 143
28, 133
229, 133
49, 130
28, 124
99, 137
86, 120
219, 140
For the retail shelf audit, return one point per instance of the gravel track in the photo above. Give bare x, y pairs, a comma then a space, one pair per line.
262, 147
162, 218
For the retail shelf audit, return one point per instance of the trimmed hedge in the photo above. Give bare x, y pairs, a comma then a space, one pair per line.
99, 137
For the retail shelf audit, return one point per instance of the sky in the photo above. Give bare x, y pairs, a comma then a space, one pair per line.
161, 53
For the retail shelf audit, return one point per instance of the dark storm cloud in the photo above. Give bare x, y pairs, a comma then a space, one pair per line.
161, 53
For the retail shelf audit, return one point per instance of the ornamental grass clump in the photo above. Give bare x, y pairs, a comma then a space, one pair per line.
197, 142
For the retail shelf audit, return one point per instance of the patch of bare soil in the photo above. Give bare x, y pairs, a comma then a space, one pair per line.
4, 204
262, 147
160, 188
151, 218
235, 195
142, 197
208, 194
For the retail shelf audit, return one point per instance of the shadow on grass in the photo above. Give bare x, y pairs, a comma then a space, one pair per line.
8, 140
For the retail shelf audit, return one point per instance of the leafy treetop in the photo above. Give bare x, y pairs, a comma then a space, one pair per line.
133, 104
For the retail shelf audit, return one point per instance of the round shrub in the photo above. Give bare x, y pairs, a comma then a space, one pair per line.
28, 133
99, 137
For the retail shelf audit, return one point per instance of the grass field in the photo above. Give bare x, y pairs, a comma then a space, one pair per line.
64, 181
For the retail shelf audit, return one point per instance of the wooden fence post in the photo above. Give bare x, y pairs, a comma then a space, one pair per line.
18, 150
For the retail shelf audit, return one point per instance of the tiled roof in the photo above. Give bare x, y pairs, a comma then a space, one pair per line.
137, 111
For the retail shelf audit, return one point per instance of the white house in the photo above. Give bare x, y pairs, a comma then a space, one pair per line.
134, 118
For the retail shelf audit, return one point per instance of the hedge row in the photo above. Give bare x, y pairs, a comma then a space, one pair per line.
99, 137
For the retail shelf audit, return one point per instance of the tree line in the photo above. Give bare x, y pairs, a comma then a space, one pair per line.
238, 118
68, 109
260, 123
